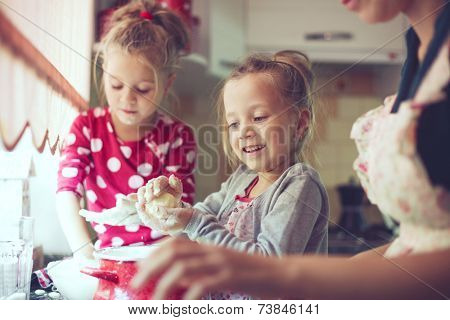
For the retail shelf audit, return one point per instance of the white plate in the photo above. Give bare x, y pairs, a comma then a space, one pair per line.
128, 253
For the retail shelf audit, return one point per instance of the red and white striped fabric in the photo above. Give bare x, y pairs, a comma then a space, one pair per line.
43, 278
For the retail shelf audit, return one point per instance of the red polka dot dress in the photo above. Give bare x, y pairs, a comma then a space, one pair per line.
95, 161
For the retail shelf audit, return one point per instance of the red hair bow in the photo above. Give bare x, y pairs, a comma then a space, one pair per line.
146, 15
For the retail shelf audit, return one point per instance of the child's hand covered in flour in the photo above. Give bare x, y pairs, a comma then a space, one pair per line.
124, 213
160, 207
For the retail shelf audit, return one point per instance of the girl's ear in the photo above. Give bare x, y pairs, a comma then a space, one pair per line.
303, 123
169, 82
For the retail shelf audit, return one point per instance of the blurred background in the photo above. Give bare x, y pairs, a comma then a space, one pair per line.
356, 66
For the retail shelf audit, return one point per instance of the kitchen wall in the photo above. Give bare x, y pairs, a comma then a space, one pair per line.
345, 93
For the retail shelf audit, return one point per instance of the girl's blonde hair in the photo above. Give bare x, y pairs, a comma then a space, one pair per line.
160, 41
294, 80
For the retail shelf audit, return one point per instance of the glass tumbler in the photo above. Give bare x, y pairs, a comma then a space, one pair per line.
16, 258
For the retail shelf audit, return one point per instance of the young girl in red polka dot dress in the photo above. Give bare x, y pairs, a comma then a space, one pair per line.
112, 151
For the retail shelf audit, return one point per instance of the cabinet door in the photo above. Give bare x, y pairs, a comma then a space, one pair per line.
318, 26
227, 35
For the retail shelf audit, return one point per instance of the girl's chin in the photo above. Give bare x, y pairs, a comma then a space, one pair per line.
256, 166
129, 121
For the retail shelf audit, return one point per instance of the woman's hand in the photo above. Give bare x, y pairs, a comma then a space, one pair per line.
199, 269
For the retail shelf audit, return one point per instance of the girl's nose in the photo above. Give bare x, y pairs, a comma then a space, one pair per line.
129, 96
246, 132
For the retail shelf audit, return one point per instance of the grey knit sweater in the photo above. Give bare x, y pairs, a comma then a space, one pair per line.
290, 217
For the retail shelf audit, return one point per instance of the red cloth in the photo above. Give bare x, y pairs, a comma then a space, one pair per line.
95, 160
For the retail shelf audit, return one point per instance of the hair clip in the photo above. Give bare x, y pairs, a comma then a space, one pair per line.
146, 15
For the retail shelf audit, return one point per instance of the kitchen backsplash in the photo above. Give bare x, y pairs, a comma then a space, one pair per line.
343, 99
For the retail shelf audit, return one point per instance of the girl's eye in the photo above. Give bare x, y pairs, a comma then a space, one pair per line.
116, 87
259, 119
233, 125
143, 91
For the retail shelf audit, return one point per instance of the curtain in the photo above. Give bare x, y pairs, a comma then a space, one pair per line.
45, 64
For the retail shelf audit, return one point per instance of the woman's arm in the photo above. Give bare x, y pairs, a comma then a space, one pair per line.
73, 225
202, 268
418, 276
375, 252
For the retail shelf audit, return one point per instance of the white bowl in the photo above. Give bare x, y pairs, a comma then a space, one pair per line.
128, 253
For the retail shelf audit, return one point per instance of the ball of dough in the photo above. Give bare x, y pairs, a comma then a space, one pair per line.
165, 200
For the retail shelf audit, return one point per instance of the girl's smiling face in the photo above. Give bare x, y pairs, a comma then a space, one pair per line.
131, 88
263, 130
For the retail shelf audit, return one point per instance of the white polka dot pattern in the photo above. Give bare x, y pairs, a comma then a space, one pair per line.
100, 228
126, 151
80, 188
117, 241
91, 195
86, 132
121, 168
83, 151
132, 228
190, 156
97, 244
145, 169
69, 172
100, 182
172, 168
137, 244
113, 164
164, 147
177, 143
190, 181
154, 234
135, 182
71, 139
96, 145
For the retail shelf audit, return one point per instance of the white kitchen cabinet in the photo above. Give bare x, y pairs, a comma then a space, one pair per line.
324, 29
226, 35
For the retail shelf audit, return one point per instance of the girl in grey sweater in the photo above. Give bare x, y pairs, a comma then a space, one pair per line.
274, 203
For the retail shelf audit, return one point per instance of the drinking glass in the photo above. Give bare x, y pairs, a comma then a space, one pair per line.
16, 257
